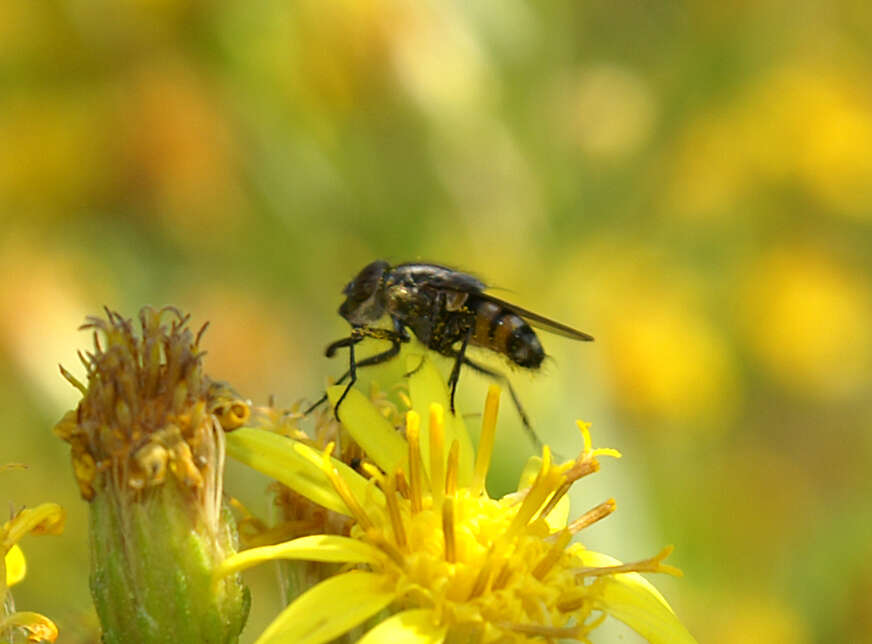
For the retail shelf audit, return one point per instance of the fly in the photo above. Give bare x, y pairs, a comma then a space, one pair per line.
447, 310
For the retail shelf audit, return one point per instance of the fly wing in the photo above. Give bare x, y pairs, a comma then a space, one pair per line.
540, 321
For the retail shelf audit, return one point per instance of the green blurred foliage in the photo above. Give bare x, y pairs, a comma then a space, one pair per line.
690, 182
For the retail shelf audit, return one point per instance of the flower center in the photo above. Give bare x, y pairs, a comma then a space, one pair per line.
471, 558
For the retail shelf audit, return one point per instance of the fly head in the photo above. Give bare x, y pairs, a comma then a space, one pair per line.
364, 296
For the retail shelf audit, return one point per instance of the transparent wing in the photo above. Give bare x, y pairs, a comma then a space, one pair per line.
540, 321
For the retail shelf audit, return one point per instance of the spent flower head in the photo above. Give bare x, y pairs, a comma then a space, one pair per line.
430, 556
147, 444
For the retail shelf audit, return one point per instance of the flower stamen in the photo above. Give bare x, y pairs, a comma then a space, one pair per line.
448, 530
486, 440
504, 575
390, 489
653, 564
580, 468
593, 515
557, 548
588, 444
451, 470
378, 539
402, 484
413, 428
537, 630
437, 453
341, 487
546, 481
484, 574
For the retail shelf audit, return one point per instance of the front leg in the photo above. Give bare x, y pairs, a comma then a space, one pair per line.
350, 341
396, 336
352, 372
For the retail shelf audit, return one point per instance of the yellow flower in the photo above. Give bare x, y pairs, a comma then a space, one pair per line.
430, 546
46, 518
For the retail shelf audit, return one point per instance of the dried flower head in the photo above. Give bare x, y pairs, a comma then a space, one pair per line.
147, 444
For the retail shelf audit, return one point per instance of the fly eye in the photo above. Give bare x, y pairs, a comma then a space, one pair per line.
367, 281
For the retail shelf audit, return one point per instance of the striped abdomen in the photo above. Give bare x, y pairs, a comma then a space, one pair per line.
499, 329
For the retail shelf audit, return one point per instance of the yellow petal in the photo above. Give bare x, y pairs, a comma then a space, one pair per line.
330, 609
409, 627
39, 628
297, 466
630, 598
426, 386
16, 566
319, 547
46, 518
372, 431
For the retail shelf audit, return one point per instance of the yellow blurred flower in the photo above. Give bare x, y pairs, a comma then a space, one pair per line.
806, 123
430, 543
326, 59
54, 152
668, 361
807, 320
606, 110
177, 150
827, 112
758, 618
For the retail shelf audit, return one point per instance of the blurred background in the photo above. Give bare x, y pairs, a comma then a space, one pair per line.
691, 183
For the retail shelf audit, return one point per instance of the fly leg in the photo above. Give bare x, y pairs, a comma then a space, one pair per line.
503, 379
455, 371
352, 371
378, 358
329, 352
350, 341
411, 373
396, 337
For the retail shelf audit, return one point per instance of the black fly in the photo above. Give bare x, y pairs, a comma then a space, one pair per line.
447, 311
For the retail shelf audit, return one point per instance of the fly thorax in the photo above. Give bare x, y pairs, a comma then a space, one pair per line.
454, 300
402, 300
